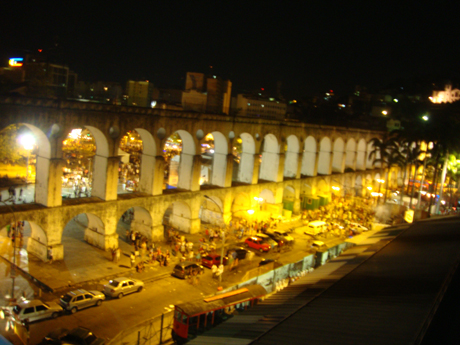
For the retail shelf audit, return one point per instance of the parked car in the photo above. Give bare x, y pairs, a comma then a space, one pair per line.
186, 268
257, 243
264, 262
275, 237
358, 228
271, 241
316, 227
119, 287
79, 299
30, 311
77, 336
212, 259
240, 252
319, 245
288, 239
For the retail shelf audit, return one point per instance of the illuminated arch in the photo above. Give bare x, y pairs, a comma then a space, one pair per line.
291, 161
324, 157
270, 158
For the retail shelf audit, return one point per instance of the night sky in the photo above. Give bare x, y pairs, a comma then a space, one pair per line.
309, 46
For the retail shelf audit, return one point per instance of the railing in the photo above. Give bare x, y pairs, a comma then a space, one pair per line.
151, 332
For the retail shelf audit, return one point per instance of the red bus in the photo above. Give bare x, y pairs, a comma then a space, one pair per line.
193, 318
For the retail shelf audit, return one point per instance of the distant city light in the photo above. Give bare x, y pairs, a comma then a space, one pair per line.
384, 112
425, 117
395, 100
153, 104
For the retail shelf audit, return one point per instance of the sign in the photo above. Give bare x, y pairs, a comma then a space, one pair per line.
409, 216
16, 62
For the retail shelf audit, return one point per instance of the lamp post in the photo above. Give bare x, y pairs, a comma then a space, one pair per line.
223, 237
13, 268
380, 181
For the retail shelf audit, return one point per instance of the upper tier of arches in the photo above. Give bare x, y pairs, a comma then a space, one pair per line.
269, 150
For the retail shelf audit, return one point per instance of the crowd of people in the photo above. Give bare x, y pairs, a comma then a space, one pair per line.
341, 212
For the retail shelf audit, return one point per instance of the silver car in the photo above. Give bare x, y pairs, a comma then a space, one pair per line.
79, 299
119, 287
29, 311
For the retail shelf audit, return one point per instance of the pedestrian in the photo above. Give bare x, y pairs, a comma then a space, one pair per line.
220, 271
50, 255
132, 259
8, 230
117, 255
190, 246
214, 271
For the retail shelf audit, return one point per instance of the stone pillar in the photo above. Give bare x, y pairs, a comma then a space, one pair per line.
195, 225
196, 173
229, 171
158, 233
105, 177
299, 165
57, 251
315, 170
255, 171
280, 174
220, 170
48, 184
152, 174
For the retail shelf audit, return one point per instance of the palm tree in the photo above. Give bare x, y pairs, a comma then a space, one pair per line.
411, 152
386, 154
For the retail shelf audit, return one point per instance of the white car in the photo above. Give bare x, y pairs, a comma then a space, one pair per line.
29, 311
358, 227
119, 287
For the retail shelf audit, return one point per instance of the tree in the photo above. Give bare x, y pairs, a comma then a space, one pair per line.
386, 153
11, 151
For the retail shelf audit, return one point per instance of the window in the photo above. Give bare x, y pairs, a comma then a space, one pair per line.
80, 298
29, 310
88, 296
41, 308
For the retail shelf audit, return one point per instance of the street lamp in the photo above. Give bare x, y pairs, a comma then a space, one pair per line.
13, 268
380, 181
28, 142
223, 237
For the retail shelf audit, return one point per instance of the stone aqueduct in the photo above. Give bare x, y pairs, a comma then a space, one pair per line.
279, 160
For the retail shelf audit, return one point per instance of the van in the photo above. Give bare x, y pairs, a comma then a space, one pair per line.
316, 227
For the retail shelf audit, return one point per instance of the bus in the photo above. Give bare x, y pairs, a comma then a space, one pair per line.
195, 317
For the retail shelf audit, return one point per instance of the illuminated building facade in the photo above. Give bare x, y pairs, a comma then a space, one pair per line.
210, 94
259, 106
448, 95
139, 93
